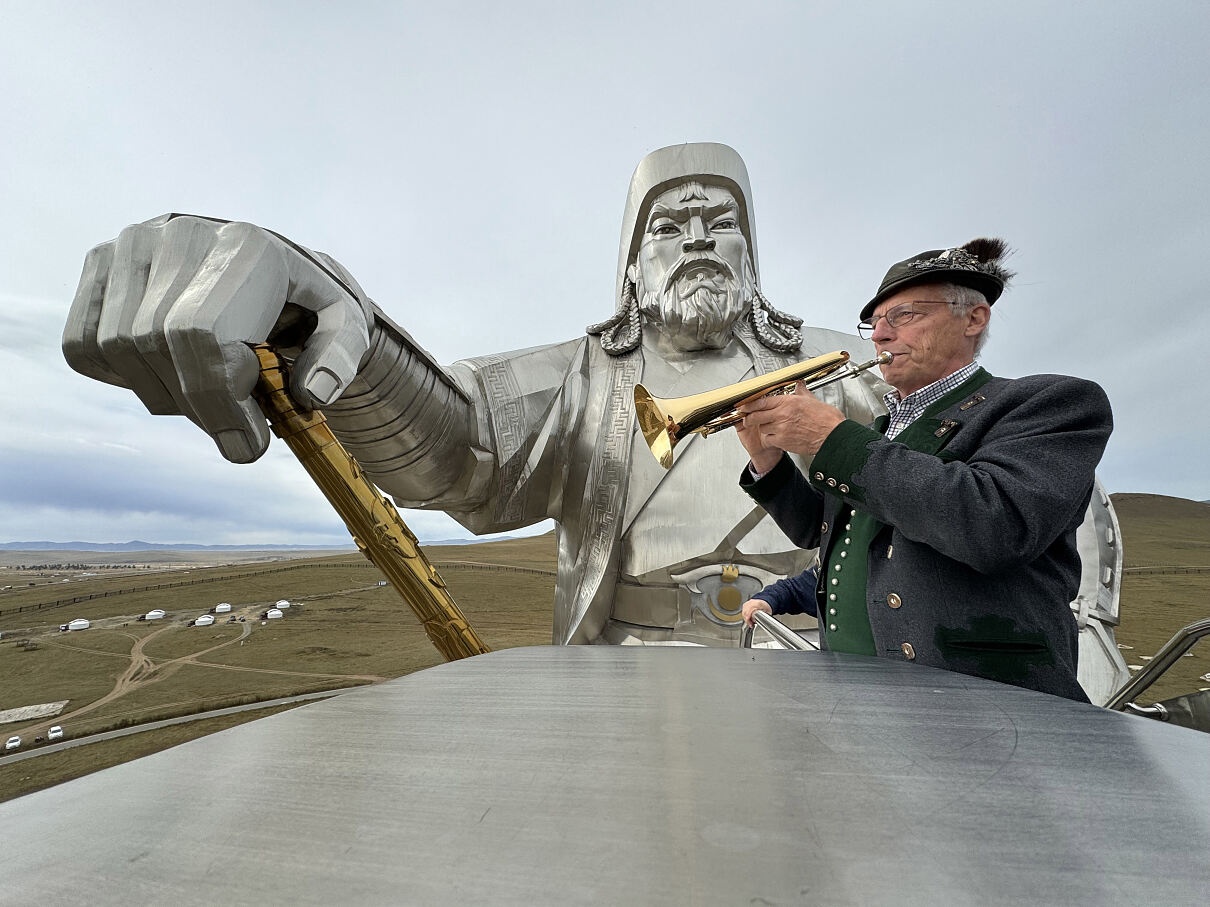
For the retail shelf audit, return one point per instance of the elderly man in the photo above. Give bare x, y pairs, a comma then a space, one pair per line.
947, 531
169, 308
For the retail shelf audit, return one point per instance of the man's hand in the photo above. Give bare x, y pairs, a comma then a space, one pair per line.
169, 308
797, 422
751, 606
763, 458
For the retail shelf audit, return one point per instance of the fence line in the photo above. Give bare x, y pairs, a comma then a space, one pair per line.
467, 565
1167, 569
476, 565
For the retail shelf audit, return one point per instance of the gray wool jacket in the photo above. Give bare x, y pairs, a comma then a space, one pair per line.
975, 562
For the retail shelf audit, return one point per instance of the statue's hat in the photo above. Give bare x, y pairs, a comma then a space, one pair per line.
664, 168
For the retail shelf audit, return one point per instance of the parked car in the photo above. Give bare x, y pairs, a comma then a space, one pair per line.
55, 733
12, 743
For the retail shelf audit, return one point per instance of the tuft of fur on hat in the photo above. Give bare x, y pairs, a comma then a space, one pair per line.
989, 251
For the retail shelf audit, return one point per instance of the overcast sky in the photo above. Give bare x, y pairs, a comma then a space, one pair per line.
468, 162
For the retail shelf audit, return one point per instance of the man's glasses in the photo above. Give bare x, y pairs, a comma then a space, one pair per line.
895, 318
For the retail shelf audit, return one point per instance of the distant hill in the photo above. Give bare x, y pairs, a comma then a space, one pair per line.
1162, 530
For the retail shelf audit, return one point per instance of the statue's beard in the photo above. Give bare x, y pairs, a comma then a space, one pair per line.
697, 305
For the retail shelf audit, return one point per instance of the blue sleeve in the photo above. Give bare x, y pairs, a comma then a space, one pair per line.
792, 595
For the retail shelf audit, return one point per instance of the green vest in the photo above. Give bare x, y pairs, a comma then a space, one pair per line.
842, 608
842, 604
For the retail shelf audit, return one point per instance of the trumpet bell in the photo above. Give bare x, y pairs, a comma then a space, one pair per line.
665, 422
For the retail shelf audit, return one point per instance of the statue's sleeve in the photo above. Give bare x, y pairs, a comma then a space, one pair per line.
482, 439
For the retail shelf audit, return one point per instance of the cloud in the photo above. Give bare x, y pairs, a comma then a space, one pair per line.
474, 184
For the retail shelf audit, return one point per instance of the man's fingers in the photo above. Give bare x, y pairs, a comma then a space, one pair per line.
751, 606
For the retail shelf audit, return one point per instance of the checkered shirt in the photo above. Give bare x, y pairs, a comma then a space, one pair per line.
905, 411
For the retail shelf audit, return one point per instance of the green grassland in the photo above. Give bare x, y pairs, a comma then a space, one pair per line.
54, 673
1164, 533
193, 688
345, 629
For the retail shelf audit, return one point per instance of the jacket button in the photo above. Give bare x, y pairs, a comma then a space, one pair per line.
894, 600
824, 528
819, 477
908, 652
831, 483
844, 489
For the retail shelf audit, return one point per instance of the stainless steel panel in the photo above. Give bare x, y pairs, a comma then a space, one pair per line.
640, 775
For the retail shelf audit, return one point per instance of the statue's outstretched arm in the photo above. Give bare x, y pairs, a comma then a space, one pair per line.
171, 307
407, 423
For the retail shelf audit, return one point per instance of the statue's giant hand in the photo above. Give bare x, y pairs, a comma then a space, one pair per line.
169, 308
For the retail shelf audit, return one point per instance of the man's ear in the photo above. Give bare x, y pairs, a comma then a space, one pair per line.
977, 319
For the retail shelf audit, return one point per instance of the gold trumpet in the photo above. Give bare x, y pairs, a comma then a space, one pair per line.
666, 422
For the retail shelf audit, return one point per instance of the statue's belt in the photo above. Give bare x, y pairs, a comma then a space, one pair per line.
649, 606
716, 591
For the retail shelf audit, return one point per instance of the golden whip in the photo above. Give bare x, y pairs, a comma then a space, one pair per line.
378, 530
666, 422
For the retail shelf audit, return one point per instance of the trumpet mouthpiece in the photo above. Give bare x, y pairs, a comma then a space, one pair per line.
884, 357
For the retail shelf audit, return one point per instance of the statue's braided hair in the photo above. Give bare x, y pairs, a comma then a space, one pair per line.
775, 329
622, 333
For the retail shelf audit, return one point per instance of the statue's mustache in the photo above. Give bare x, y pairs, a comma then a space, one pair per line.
690, 259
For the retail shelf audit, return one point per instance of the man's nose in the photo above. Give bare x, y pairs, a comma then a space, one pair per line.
882, 331
698, 238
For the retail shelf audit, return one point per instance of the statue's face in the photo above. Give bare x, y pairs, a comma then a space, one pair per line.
692, 270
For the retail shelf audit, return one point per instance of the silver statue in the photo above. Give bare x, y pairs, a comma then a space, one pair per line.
499, 442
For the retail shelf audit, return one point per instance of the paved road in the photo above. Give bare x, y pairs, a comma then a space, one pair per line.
41, 750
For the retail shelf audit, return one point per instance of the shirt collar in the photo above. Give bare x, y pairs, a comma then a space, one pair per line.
930, 392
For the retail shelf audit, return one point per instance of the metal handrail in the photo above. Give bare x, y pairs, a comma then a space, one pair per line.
1165, 658
779, 631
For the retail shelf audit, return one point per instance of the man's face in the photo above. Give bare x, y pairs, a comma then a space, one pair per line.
928, 345
693, 276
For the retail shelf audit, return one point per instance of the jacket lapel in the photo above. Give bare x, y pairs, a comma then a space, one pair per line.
937, 425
